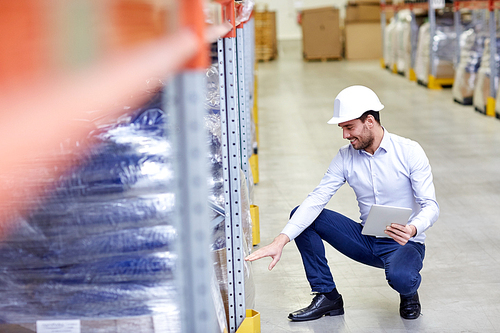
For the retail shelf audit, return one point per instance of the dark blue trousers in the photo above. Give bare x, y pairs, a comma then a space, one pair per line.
402, 264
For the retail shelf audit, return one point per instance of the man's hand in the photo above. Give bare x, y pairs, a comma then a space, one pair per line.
272, 250
401, 233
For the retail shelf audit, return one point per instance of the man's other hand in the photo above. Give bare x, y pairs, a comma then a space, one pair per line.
272, 250
401, 233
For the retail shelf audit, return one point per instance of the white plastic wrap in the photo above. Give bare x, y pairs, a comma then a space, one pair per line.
423, 54
389, 44
471, 51
444, 45
244, 11
402, 37
97, 242
482, 88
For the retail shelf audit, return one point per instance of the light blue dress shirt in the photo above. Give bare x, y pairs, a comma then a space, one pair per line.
397, 174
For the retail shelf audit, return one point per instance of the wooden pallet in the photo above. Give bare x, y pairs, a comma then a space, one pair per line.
321, 59
266, 46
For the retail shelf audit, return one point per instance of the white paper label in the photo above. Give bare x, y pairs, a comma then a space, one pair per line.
58, 326
437, 4
160, 324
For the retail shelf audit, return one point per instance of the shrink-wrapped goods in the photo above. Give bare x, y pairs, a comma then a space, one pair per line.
471, 51
389, 54
403, 42
482, 87
216, 197
443, 44
96, 243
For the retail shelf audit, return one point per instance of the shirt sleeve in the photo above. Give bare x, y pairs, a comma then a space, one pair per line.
312, 206
423, 189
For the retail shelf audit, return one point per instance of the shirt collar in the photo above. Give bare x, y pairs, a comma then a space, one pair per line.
384, 144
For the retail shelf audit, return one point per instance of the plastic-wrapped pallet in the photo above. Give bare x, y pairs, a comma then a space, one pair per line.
423, 54
389, 44
406, 48
444, 43
471, 52
403, 43
482, 88
97, 243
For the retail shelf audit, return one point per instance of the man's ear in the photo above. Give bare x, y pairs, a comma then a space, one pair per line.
370, 121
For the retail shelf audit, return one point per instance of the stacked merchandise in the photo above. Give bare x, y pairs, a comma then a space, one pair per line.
403, 42
443, 44
471, 52
97, 245
321, 37
363, 39
389, 49
216, 198
266, 45
482, 87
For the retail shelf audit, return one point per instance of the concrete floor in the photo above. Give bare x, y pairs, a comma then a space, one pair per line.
460, 291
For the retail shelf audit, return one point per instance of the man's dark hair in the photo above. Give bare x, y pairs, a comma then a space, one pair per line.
375, 115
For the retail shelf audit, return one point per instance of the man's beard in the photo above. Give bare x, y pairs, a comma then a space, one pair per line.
364, 142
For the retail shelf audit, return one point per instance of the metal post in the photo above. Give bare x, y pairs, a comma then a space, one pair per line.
493, 54
458, 31
432, 32
232, 186
248, 84
244, 115
413, 41
491, 102
185, 96
382, 27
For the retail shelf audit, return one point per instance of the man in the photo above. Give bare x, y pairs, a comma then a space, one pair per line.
382, 168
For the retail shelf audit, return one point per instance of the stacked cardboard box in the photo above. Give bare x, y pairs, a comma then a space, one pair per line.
265, 35
321, 38
363, 34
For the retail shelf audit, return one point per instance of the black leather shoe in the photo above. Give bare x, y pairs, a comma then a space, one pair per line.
409, 308
319, 307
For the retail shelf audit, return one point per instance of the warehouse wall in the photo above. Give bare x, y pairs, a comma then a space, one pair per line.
286, 14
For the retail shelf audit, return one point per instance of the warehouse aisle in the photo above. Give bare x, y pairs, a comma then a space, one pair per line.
460, 290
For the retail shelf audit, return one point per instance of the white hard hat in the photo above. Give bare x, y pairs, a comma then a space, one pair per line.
352, 102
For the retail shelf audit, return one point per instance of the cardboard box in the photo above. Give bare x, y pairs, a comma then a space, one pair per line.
321, 38
362, 13
363, 40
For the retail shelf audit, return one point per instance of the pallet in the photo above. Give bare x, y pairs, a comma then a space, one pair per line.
266, 59
266, 46
422, 83
466, 101
480, 111
322, 59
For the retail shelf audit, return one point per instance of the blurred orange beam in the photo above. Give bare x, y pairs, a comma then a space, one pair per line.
193, 17
37, 117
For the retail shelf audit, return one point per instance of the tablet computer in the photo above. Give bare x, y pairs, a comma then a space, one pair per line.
381, 216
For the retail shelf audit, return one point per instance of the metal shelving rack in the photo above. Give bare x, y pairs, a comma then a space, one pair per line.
486, 5
185, 95
413, 31
433, 82
235, 74
490, 6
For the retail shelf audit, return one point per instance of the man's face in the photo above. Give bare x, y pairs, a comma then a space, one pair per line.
357, 133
